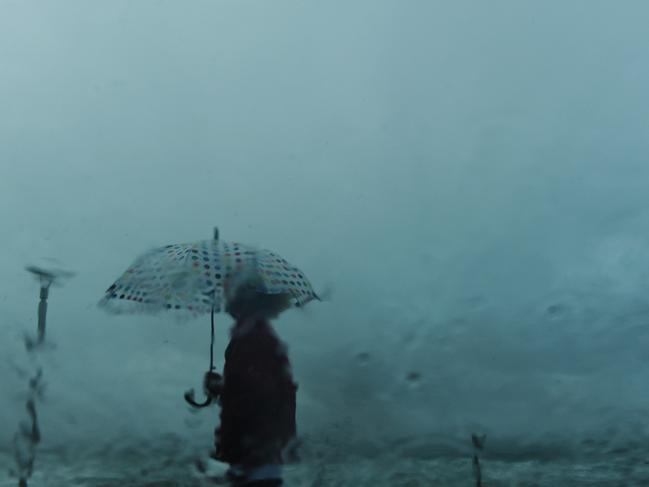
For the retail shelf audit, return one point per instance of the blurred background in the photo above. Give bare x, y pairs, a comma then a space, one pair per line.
465, 181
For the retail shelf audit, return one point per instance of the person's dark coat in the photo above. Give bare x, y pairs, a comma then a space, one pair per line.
257, 399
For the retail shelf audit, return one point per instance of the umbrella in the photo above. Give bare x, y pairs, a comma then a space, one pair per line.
195, 278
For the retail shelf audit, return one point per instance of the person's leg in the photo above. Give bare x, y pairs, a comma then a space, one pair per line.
256, 483
262, 476
263, 483
236, 476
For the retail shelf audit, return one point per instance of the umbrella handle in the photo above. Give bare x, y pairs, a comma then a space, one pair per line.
189, 398
189, 395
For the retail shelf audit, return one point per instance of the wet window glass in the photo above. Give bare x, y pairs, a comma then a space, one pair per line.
324, 243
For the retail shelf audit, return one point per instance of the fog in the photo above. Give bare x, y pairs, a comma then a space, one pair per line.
464, 182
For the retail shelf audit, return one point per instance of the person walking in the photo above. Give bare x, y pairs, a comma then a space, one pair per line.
257, 392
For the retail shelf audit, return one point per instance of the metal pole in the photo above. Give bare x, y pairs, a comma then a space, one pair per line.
42, 311
28, 436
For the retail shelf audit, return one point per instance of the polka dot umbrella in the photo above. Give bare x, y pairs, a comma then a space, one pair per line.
193, 278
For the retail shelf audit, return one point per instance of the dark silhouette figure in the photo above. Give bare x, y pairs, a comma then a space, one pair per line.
257, 393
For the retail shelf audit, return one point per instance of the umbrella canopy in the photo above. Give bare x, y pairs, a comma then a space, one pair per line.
195, 278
